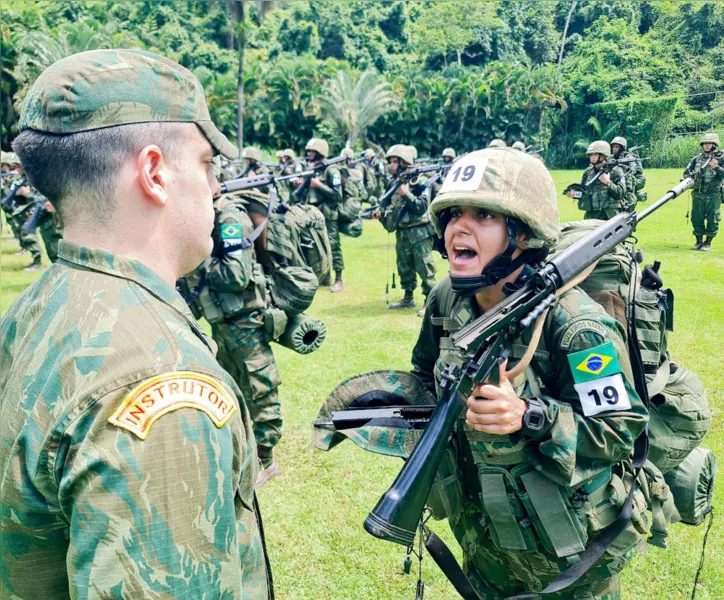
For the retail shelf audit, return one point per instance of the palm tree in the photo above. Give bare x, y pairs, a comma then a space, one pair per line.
353, 107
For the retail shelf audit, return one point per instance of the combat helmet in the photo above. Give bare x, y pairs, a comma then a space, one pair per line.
621, 141
319, 146
10, 159
369, 153
518, 146
497, 143
347, 152
413, 149
448, 152
601, 147
251, 153
710, 138
288, 153
514, 184
402, 152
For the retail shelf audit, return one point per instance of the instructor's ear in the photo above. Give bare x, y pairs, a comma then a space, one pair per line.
153, 174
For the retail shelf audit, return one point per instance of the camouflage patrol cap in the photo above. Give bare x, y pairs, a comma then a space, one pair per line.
347, 152
251, 153
518, 146
319, 146
505, 181
621, 141
601, 147
497, 143
448, 152
105, 88
401, 152
710, 138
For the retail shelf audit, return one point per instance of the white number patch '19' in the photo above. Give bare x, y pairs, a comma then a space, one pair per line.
465, 175
606, 394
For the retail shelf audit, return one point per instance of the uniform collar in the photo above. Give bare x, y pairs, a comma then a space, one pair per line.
114, 265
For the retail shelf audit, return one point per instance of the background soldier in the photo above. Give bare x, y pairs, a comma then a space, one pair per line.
326, 194
635, 178
19, 209
50, 226
229, 290
149, 438
518, 146
448, 155
497, 143
288, 164
603, 192
706, 193
408, 217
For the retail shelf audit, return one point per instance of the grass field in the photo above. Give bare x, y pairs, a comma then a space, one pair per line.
314, 511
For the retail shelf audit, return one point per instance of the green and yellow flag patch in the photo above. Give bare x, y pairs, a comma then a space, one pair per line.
230, 231
594, 363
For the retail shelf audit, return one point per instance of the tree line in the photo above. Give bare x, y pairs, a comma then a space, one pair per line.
432, 73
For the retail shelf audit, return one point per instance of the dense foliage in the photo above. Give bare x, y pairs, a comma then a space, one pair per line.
433, 73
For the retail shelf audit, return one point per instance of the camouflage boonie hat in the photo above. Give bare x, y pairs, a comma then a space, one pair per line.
518, 146
319, 146
599, 147
376, 389
401, 152
106, 88
710, 138
448, 152
497, 143
621, 141
505, 181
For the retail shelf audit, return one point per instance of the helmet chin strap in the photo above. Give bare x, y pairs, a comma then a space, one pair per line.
500, 267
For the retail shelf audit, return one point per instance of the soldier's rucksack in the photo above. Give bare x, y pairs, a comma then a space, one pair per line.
679, 414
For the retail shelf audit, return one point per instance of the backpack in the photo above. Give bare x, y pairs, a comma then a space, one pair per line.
679, 415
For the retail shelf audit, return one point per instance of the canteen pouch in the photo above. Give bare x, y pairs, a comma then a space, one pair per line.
679, 419
275, 322
446, 499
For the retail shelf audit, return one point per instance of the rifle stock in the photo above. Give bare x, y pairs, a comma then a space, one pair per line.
488, 341
32, 223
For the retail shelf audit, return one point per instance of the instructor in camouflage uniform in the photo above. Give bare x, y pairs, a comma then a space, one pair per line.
535, 469
229, 291
127, 460
407, 215
706, 194
326, 194
603, 191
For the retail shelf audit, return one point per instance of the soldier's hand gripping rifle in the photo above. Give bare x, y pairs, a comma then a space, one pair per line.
311, 172
488, 341
7, 202
32, 223
408, 175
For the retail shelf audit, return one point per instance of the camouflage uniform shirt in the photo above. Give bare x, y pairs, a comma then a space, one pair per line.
108, 489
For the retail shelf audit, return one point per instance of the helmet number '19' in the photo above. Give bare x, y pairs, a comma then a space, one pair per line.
468, 173
466, 177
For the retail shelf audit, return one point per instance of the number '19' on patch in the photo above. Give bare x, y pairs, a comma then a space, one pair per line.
606, 394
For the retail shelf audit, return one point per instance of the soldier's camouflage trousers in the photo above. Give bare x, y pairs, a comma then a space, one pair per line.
413, 246
603, 214
246, 354
497, 573
705, 213
51, 236
335, 243
28, 240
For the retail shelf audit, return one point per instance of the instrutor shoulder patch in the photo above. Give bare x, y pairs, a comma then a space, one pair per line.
160, 395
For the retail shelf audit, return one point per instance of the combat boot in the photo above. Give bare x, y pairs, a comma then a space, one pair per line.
36, 265
706, 245
337, 286
421, 312
269, 466
698, 245
407, 302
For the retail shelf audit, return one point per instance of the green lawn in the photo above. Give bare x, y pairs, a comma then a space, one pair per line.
314, 511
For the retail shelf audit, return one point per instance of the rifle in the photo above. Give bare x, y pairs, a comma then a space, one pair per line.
715, 154
7, 202
415, 416
8, 174
611, 162
32, 223
312, 171
488, 342
248, 183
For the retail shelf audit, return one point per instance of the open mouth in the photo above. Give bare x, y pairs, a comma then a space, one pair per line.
462, 255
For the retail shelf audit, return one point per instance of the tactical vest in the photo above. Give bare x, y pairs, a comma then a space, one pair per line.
320, 200
397, 216
215, 305
597, 196
706, 178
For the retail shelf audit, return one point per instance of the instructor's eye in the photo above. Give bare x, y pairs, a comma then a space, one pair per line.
455, 212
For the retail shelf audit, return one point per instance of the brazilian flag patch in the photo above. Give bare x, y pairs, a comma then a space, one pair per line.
230, 231
594, 363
